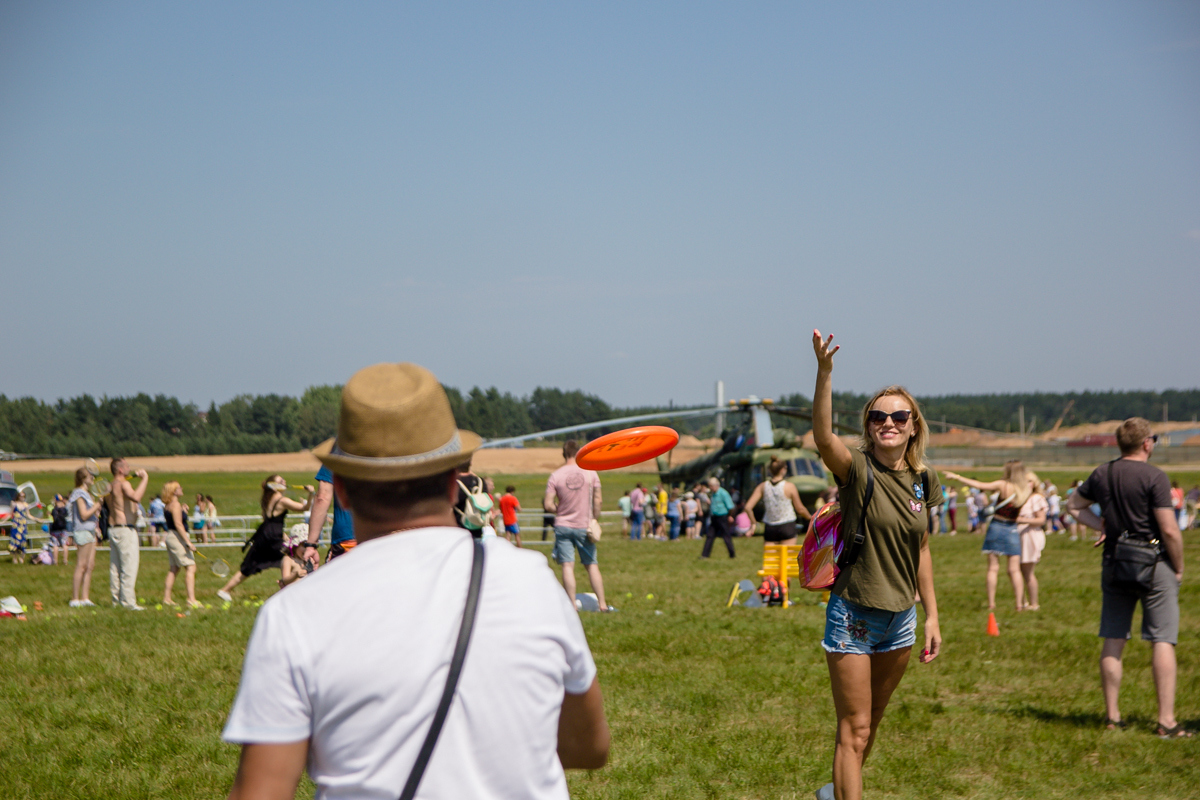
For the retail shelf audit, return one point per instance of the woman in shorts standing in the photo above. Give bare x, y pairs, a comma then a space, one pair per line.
871, 619
179, 545
781, 505
1002, 539
85, 513
1031, 524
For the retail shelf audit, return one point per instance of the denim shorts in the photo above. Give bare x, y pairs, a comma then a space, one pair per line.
1002, 538
855, 629
567, 541
514, 529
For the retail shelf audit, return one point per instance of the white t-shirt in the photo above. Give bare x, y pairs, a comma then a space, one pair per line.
355, 656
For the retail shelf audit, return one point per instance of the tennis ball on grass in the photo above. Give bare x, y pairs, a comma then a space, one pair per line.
649, 597
158, 606
629, 595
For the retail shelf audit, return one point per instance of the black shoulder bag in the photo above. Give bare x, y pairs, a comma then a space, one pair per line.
1134, 558
456, 664
849, 556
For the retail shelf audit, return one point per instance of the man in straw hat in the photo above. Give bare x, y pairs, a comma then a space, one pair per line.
345, 669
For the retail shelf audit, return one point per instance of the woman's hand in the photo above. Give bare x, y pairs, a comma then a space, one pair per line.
824, 351
933, 641
954, 476
309, 489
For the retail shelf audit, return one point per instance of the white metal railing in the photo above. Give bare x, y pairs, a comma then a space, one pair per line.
232, 530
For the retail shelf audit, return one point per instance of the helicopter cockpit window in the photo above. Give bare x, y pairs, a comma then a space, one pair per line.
756, 474
818, 468
801, 466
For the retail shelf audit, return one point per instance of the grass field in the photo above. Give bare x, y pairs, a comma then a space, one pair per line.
704, 702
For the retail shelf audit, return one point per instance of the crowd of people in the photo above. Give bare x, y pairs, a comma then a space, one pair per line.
398, 482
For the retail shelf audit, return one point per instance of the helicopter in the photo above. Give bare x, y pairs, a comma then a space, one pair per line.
740, 463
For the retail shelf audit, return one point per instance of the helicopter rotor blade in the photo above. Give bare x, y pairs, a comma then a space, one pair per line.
608, 423
806, 414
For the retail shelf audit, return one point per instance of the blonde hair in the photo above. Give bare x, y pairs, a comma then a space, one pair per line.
914, 453
168, 492
1017, 475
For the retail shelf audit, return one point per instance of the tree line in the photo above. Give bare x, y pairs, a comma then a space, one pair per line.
144, 426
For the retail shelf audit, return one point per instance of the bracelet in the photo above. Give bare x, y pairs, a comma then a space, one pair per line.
313, 545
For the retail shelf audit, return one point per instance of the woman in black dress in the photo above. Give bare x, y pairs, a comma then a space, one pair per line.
265, 548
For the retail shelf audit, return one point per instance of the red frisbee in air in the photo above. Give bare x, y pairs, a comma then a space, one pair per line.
630, 446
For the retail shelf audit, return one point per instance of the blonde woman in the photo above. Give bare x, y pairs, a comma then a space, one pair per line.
85, 513
179, 545
265, 550
1031, 524
1002, 539
871, 619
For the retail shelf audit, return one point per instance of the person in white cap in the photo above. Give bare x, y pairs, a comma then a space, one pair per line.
423, 659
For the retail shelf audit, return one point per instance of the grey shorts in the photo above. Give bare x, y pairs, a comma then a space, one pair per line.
1160, 608
568, 540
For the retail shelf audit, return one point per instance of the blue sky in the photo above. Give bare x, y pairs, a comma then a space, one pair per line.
632, 199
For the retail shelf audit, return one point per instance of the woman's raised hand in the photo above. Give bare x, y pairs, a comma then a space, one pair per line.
954, 476
824, 350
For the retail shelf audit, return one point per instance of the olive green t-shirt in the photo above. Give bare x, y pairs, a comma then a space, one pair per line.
885, 576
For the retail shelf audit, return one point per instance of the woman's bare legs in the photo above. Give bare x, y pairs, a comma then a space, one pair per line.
170, 584
1018, 584
85, 561
993, 571
237, 578
1031, 585
862, 686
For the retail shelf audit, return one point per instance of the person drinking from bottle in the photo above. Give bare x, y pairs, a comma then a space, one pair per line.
871, 619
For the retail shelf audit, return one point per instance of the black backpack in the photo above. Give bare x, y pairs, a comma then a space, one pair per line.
58, 517
102, 522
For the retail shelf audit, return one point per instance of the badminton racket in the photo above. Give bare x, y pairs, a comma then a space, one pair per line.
219, 567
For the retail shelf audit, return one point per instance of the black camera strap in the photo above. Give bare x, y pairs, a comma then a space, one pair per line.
456, 664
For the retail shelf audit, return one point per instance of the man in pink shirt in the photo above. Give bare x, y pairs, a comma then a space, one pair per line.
573, 496
637, 516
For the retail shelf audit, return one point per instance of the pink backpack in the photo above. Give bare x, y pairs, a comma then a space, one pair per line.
821, 549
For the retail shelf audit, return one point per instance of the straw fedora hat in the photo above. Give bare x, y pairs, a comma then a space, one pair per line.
395, 424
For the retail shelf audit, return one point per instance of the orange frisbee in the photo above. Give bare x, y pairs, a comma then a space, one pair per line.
630, 446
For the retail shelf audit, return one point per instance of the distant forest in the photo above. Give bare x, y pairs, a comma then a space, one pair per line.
160, 425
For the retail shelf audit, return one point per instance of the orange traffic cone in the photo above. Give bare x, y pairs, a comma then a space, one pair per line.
993, 629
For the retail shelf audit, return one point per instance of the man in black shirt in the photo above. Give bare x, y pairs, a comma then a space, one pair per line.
1136, 499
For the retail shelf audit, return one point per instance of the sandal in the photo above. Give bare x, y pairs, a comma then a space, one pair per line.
1115, 724
1178, 732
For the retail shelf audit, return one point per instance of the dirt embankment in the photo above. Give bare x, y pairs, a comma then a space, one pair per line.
527, 461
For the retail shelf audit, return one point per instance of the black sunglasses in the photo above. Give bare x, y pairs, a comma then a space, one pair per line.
878, 417
1153, 437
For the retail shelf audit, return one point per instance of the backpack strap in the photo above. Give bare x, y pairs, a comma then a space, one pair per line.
850, 553
928, 510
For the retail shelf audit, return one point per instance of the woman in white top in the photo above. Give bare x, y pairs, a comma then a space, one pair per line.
782, 505
1031, 523
85, 513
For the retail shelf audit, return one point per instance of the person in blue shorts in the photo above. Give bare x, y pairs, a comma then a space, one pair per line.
341, 538
871, 619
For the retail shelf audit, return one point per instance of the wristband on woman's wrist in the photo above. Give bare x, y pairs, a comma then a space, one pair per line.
313, 545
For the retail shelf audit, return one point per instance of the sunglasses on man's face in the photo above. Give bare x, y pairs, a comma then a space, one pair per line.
1153, 437
879, 417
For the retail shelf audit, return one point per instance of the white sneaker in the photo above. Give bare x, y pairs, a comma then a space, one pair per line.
135, 608
86, 604
825, 792
75, 604
224, 595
